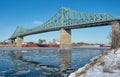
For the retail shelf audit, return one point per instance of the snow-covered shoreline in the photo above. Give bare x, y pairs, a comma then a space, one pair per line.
105, 65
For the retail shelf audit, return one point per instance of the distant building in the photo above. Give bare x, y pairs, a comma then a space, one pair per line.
55, 41
41, 41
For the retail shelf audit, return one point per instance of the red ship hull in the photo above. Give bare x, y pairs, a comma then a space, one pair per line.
39, 45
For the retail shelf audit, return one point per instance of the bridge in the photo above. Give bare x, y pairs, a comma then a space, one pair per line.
65, 20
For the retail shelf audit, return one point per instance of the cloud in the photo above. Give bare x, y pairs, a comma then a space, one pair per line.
36, 22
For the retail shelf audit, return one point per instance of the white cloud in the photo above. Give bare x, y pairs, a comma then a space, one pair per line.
36, 22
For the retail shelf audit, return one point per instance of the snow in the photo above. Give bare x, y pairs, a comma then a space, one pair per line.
109, 66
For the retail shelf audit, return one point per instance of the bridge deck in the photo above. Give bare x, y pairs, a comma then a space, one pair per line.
84, 25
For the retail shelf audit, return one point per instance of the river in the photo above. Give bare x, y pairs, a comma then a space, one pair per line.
44, 62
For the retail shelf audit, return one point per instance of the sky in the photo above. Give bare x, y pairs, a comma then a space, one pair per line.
32, 13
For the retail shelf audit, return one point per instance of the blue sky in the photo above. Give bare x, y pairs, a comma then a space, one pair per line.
32, 13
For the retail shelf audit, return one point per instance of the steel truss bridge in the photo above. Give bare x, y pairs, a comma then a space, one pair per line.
68, 19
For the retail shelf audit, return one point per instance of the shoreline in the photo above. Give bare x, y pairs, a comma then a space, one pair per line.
103, 65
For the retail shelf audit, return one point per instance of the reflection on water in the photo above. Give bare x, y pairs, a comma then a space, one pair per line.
65, 57
44, 62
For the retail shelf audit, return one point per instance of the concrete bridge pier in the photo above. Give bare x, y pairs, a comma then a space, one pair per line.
19, 41
11, 41
115, 34
65, 39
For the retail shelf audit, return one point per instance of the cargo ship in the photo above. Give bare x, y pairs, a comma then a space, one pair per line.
38, 45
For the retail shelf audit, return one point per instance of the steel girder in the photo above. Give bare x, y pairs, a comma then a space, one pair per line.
65, 17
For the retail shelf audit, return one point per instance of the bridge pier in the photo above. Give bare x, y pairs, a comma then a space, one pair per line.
19, 41
65, 39
115, 34
11, 41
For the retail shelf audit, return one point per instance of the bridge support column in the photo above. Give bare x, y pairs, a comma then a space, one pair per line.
11, 41
65, 39
19, 41
115, 34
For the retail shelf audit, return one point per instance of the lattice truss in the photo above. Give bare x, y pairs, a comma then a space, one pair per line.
63, 18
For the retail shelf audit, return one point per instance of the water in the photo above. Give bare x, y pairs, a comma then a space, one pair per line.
44, 62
